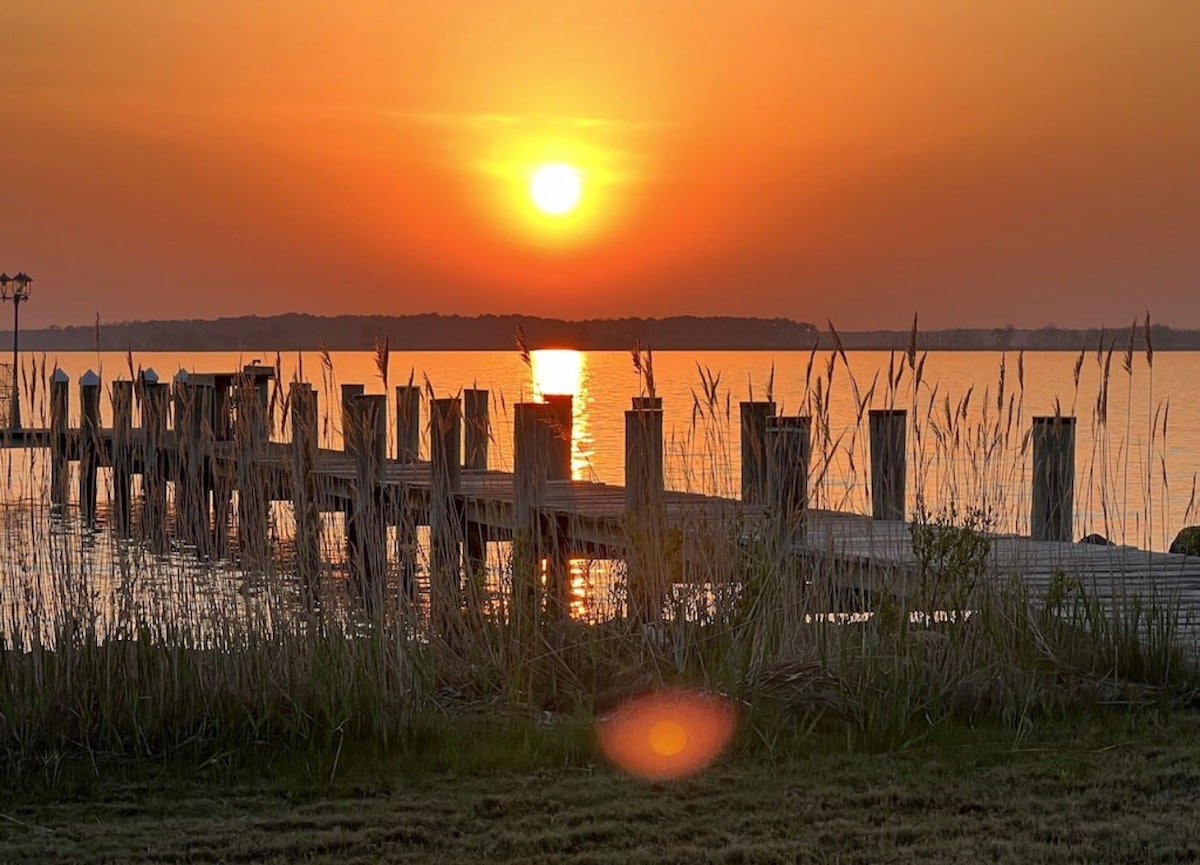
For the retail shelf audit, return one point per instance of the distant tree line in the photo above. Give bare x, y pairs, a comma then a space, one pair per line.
434, 332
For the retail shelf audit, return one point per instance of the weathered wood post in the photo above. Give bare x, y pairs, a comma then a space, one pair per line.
1053, 479
408, 448
186, 493
445, 521
532, 430
154, 486
408, 423
203, 432
89, 444
350, 431
476, 434
476, 428
349, 392
302, 400
253, 501
888, 432
222, 474
645, 520
369, 443
788, 443
558, 554
60, 384
754, 417
122, 454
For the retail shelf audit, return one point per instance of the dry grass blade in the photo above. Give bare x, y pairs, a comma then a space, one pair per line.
1127, 361
382, 358
523, 346
1149, 342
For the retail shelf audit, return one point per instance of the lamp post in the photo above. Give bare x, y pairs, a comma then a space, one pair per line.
16, 289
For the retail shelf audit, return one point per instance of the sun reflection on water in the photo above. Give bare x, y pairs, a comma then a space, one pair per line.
565, 371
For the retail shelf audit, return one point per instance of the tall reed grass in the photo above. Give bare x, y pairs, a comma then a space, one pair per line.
220, 646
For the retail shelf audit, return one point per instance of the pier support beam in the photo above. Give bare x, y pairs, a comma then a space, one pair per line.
188, 480
645, 521
476, 436
302, 400
476, 429
60, 385
562, 431
788, 443
408, 448
445, 522
754, 417
154, 483
252, 497
89, 444
368, 552
1053, 479
888, 429
532, 432
349, 392
122, 455
408, 423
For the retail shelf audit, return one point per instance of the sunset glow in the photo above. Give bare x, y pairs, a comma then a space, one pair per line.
771, 159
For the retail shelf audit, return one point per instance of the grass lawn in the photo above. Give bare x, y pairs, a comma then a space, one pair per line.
1118, 790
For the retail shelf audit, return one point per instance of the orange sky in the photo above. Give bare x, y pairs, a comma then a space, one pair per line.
980, 162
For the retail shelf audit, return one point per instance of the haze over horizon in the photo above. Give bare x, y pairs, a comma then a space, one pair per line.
980, 164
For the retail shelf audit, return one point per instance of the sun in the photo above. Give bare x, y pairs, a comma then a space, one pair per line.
556, 188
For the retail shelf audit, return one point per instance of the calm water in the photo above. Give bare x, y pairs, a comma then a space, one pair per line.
1120, 468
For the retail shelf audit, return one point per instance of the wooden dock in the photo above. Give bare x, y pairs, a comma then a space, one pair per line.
207, 438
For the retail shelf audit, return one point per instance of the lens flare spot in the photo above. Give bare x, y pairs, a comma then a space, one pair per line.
668, 738
668, 734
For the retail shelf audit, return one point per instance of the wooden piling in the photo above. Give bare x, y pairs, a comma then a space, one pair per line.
562, 428
754, 417
532, 432
408, 449
122, 455
89, 444
349, 392
154, 484
557, 553
1053, 505
643, 460
888, 429
788, 446
369, 552
60, 384
445, 522
302, 400
222, 478
253, 503
645, 521
476, 435
206, 404
476, 428
187, 491
408, 423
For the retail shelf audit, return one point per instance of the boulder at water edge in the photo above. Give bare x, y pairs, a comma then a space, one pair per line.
1187, 542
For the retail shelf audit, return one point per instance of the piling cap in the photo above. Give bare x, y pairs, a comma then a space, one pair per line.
59, 376
149, 376
89, 379
181, 377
